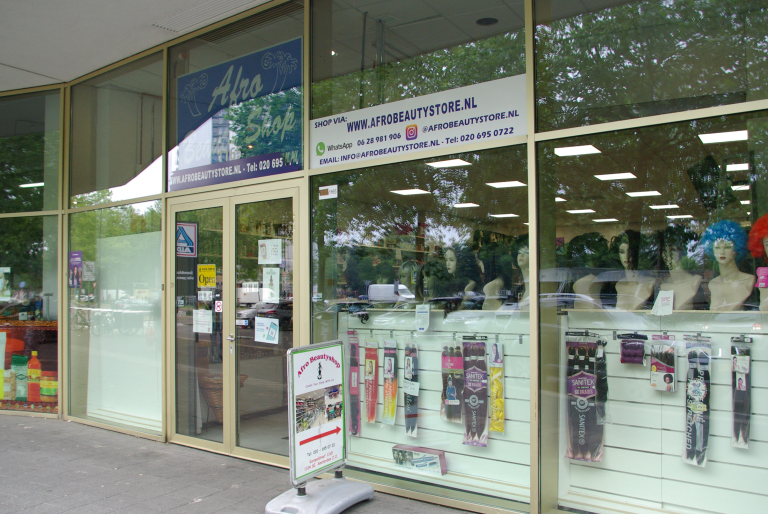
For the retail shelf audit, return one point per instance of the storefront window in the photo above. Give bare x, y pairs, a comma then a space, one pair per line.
640, 58
29, 152
117, 134
370, 55
29, 314
114, 290
422, 268
652, 325
236, 101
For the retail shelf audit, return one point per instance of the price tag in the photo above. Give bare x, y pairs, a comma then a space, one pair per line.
411, 388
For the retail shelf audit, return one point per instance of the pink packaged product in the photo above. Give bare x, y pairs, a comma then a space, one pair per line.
420, 460
762, 277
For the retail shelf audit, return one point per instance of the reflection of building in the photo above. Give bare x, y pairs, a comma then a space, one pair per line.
220, 147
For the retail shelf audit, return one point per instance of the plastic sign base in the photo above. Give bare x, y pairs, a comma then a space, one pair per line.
326, 496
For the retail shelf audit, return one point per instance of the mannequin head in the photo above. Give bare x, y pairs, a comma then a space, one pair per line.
626, 247
673, 245
758, 238
587, 250
451, 261
725, 242
410, 275
521, 253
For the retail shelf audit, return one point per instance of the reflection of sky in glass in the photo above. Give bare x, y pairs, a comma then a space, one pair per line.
148, 182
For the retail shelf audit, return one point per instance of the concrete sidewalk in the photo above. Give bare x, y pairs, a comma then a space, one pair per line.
51, 466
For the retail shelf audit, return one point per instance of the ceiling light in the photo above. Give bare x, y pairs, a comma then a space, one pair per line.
34, 184
333, 52
461, 205
680, 217
581, 211
605, 220
745, 202
409, 192
485, 22
568, 151
741, 187
749, 213
636, 194
615, 176
737, 167
449, 163
558, 199
525, 223
512, 183
670, 206
510, 215
724, 137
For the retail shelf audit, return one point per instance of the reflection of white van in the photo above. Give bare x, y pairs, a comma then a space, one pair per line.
385, 293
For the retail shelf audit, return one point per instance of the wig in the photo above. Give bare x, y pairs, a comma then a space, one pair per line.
519, 243
725, 230
758, 232
674, 236
587, 251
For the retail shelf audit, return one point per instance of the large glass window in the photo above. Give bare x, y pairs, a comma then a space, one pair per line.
29, 305
29, 152
422, 268
372, 54
652, 323
114, 290
117, 134
632, 59
236, 101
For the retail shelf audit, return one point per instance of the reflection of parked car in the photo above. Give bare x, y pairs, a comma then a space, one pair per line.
129, 314
385, 293
247, 315
282, 311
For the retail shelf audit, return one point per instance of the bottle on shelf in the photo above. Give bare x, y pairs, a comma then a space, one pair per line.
33, 379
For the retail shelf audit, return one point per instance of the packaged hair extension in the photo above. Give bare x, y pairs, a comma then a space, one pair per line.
697, 393
496, 385
452, 366
741, 387
663, 365
354, 383
587, 394
411, 389
389, 409
475, 393
632, 348
371, 380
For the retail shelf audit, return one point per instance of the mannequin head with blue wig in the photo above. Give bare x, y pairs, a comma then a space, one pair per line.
722, 238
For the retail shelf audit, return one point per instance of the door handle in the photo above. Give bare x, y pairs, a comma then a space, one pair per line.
231, 338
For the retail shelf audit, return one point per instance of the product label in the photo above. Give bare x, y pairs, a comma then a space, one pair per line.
582, 385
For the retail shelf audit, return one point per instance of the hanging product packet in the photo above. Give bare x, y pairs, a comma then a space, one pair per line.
663, 364
587, 394
632, 348
354, 383
496, 385
475, 394
411, 388
389, 411
697, 400
371, 380
741, 388
452, 366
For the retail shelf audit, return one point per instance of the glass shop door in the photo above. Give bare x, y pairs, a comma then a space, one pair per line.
233, 302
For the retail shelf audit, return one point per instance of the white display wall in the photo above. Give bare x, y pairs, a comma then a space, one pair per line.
642, 470
502, 469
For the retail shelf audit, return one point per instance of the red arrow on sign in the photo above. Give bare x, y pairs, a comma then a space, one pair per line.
319, 436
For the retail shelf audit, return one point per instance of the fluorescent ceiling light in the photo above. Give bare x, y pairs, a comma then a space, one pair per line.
745, 202
447, 164
636, 194
558, 199
461, 205
724, 137
670, 206
333, 52
605, 220
525, 223
511, 183
615, 176
680, 217
35, 184
569, 151
737, 167
741, 187
409, 192
510, 215
581, 211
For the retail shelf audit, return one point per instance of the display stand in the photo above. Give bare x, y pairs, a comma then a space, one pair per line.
318, 371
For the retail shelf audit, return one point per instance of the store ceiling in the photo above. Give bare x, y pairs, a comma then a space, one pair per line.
46, 42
